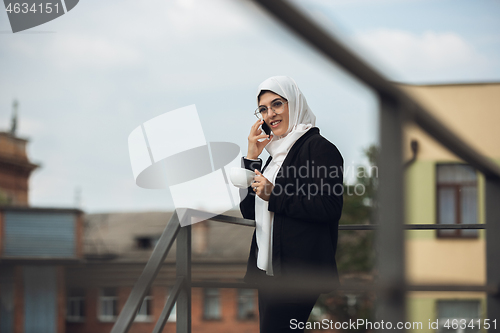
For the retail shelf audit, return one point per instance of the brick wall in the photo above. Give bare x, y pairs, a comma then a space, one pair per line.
227, 324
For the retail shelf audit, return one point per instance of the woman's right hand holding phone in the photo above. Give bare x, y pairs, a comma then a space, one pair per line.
255, 147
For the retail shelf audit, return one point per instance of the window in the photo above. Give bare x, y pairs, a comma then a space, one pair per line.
75, 311
456, 198
211, 304
449, 310
246, 307
146, 242
108, 304
144, 312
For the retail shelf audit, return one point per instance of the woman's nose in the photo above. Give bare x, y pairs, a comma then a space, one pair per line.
270, 113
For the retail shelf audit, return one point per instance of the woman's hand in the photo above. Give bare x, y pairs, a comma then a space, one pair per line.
254, 146
261, 186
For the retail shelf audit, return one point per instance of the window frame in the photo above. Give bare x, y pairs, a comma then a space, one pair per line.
442, 320
455, 233
172, 318
80, 318
205, 297
253, 317
100, 299
145, 317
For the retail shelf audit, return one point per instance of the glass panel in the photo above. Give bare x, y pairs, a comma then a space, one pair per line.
447, 211
76, 304
71, 309
447, 206
145, 309
468, 208
104, 308
108, 307
212, 306
246, 304
458, 309
82, 307
468, 310
465, 173
444, 173
456, 174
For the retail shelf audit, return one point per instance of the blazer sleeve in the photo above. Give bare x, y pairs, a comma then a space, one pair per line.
317, 197
247, 205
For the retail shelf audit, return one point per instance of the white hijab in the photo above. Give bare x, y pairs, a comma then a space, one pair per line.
301, 119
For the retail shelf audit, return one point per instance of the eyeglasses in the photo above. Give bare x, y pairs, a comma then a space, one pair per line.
277, 106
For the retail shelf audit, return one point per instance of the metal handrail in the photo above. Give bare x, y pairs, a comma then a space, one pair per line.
366, 287
251, 223
128, 313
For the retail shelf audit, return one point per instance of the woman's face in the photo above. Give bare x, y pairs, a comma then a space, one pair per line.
278, 123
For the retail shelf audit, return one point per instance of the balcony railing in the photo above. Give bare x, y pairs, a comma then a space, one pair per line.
396, 107
182, 289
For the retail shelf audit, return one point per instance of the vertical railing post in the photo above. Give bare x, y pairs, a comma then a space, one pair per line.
390, 215
183, 269
493, 244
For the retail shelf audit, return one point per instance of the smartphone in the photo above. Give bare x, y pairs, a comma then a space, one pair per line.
266, 128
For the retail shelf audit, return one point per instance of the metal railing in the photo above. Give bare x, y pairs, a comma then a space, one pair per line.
396, 107
181, 292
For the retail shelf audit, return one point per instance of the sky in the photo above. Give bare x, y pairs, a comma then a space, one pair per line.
85, 80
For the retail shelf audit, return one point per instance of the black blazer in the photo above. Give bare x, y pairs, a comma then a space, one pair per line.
307, 204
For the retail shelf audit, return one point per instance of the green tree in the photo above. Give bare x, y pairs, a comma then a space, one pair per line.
355, 250
4, 199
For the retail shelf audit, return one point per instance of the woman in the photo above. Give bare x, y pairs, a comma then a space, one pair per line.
296, 202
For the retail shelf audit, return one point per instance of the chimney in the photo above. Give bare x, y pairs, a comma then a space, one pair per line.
200, 237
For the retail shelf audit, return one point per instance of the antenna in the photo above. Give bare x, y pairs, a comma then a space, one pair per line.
13, 126
78, 197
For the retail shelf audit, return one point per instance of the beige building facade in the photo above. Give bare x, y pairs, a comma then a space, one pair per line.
442, 189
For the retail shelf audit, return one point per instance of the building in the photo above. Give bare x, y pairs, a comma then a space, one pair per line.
441, 189
15, 170
36, 244
64, 271
117, 247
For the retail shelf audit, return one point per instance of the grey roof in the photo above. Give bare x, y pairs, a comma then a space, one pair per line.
113, 236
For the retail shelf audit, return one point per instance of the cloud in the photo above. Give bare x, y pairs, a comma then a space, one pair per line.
427, 55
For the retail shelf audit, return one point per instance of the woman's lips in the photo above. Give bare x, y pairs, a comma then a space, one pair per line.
275, 125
